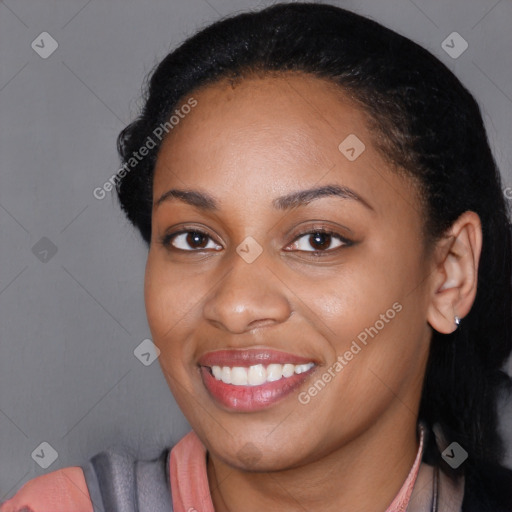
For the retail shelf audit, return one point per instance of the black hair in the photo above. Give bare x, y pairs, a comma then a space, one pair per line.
426, 124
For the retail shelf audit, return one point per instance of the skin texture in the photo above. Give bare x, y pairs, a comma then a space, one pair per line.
245, 144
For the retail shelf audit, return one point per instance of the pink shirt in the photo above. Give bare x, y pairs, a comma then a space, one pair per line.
65, 490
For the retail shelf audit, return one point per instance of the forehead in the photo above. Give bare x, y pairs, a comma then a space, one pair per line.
295, 107
291, 114
270, 134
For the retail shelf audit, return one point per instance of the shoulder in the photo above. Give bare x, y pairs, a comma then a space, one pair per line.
64, 490
488, 489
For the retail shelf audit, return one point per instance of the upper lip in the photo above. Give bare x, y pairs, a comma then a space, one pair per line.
250, 357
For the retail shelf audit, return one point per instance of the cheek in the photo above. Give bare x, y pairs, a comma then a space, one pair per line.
374, 301
344, 304
172, 299
377, 314
174, 306
170, 310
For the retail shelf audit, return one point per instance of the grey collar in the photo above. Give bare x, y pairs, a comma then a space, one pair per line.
433, 490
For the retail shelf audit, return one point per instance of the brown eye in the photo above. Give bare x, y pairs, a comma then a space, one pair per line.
196, 239
319, 241
189, 241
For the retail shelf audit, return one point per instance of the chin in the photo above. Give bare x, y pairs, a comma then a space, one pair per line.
261, 457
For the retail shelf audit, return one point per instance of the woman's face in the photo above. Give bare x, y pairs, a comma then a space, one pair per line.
250, 282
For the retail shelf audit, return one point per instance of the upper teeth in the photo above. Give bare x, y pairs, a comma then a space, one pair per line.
257, 374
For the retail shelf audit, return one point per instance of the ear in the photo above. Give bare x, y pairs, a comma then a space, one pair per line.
455, 276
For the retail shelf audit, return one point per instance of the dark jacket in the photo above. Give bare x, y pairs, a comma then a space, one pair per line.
488, 489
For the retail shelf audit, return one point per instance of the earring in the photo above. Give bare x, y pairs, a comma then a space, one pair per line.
457, 321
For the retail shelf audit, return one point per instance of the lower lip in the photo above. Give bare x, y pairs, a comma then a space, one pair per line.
252, 398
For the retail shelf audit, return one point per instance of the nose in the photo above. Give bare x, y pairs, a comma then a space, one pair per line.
248, 296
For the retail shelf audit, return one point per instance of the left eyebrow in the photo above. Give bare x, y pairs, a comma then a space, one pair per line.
205, 201
303, 197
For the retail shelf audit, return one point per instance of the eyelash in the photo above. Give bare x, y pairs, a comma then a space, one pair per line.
167, 239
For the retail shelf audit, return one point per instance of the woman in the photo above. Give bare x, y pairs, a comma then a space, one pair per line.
329, 272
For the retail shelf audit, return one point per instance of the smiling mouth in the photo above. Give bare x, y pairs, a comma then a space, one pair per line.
270, 384
257, 374
253, 379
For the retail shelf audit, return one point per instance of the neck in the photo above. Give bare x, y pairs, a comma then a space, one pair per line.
365, 474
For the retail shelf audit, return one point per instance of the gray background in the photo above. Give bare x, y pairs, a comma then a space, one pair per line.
70, 324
